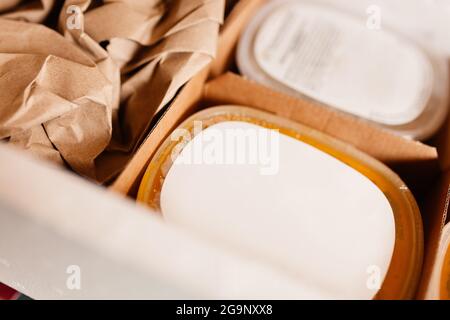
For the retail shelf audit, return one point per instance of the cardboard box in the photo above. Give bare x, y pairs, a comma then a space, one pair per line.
423, 167
109, 235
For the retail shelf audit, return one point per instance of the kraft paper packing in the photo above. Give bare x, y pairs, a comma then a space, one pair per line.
85, 91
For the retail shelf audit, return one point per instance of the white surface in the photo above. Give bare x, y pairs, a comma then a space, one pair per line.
50, 220
425, 21
334, 58
318, 219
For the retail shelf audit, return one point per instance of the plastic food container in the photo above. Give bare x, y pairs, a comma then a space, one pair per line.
355, 65
338, 222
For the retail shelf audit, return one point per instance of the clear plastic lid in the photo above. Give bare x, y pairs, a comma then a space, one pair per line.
321, 53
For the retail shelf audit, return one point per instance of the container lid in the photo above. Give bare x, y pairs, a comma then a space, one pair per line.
318, 52
336, 220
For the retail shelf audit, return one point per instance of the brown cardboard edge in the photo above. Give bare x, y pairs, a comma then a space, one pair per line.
233, 88
229, 35
128, 181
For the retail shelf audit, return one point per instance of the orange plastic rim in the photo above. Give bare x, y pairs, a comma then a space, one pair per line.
404, 270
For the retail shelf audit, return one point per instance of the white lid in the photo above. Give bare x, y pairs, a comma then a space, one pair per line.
293, 206
425, 21
332, 57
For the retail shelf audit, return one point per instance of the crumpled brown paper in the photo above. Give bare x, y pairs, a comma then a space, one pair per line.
50, 85
31, 11
86, 93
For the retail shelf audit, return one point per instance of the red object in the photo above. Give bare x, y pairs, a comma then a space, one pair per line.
7, 293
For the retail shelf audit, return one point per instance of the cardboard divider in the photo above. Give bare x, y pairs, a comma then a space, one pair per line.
414, 161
